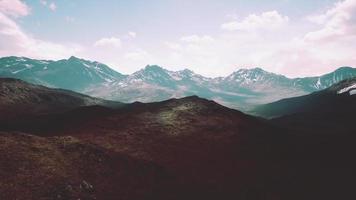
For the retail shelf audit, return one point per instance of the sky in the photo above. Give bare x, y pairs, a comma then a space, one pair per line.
296, 38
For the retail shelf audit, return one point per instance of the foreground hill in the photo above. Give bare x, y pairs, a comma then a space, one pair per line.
18, 98
329, 111
188, 148
242, 89
65, 168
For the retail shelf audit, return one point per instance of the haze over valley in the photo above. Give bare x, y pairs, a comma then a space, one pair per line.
243, 89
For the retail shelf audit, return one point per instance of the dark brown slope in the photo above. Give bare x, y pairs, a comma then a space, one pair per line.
211, 152
329, 112
202, 150
19, 98
328, 100
203, 145
65, 168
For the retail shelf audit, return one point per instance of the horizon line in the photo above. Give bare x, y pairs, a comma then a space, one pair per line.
160, 66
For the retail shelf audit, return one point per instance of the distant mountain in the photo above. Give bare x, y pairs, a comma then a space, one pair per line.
72, 74
312, 84
19, 98
242, 89
154, 83
339, 98
269, 87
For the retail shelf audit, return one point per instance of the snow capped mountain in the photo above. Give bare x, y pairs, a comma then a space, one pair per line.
256, 80
151, 74
73, 73
242, 89
154, 74
153, 83
248, 77
311, 84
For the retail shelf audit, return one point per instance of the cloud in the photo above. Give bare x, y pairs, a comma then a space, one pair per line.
266, 20
15, 41
108, 42
173, 45
295, 49
197, 39
132, 34
52, 6
14, 8
330, 43
269, 40
339, 21
43, 2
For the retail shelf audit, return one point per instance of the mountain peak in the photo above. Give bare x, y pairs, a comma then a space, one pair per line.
344, 69
73, 58
251, 70
153, 68
252, 74
186, 71
151, 73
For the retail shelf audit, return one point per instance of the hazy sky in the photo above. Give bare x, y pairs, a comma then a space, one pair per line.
210, 37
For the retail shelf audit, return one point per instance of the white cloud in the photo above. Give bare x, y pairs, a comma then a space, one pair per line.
132, 34
14, 8
108, 42
197, 39
52, 6
43, 2
294, 50
15, 41
173, 45
339, 21
266, 20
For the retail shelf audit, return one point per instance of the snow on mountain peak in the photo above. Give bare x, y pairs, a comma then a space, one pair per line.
348, 88
247, 76
86, 65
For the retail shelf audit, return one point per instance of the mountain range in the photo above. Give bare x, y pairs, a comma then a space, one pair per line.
73, 74
243, 89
